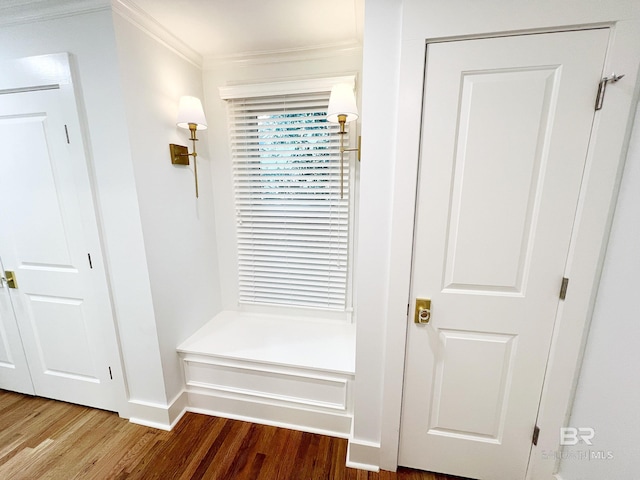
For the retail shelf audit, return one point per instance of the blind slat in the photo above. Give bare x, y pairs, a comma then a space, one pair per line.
292, 225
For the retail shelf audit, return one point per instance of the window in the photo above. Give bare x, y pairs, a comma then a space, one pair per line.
292, 224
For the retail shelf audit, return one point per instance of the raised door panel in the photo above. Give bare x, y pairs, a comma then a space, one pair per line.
501, 145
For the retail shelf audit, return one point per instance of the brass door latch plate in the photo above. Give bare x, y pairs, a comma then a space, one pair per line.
11, 279
423, 310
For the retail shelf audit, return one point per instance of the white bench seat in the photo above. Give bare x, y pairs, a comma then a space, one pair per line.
328, 347
293, 373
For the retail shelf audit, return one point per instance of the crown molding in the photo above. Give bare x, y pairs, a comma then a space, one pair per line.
147, 24
351, 48
16, 12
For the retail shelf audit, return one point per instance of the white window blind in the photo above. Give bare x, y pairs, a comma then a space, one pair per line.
292, 225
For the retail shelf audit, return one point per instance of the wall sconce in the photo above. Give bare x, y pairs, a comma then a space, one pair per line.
191, 116
343, 109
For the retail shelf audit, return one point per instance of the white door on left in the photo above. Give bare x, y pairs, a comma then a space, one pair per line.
49, 239
14, 371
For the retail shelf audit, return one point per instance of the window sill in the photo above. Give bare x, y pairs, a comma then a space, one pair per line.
271, 339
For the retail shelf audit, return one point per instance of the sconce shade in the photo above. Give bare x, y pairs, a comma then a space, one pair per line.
190, 111
342, 102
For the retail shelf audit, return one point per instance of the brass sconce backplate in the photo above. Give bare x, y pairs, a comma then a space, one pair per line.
179, 154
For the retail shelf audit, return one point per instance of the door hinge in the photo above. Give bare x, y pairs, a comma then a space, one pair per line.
563, 288
407, 309
536, 434
602, 87
110, 374
66, 132
90, 262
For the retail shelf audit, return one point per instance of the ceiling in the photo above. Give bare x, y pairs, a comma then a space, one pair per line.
221, 28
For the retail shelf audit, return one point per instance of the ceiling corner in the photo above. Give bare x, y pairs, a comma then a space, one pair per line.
147, 24
14, 12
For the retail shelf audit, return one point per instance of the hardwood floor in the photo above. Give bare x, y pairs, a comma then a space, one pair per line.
45, 439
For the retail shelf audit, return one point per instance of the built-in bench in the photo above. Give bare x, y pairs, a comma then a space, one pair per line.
293, 373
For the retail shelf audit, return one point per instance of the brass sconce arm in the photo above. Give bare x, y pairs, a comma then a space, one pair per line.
342, 109
191, 116
342, 120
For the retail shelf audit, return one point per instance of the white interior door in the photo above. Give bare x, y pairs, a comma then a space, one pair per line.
49, 238
505, 134
14, 371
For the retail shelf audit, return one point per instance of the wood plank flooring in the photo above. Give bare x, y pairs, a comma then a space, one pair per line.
45, 439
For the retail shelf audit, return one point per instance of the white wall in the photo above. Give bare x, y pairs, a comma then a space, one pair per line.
608, 391
249, 71
381, 63
90, 39
160, 242
178, 228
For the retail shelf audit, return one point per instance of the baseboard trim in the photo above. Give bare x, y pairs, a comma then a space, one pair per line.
178, 407
155, 415
363, 455
270, 413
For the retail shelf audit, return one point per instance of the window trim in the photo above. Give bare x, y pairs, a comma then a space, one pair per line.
293, 87
288, 87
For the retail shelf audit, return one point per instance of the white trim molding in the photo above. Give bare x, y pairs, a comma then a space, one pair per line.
212, 375
147, 24
269, 394
270, 413
268, 370
363, 455
14, 12
37, 72
155, 415
303, 54
288, 87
